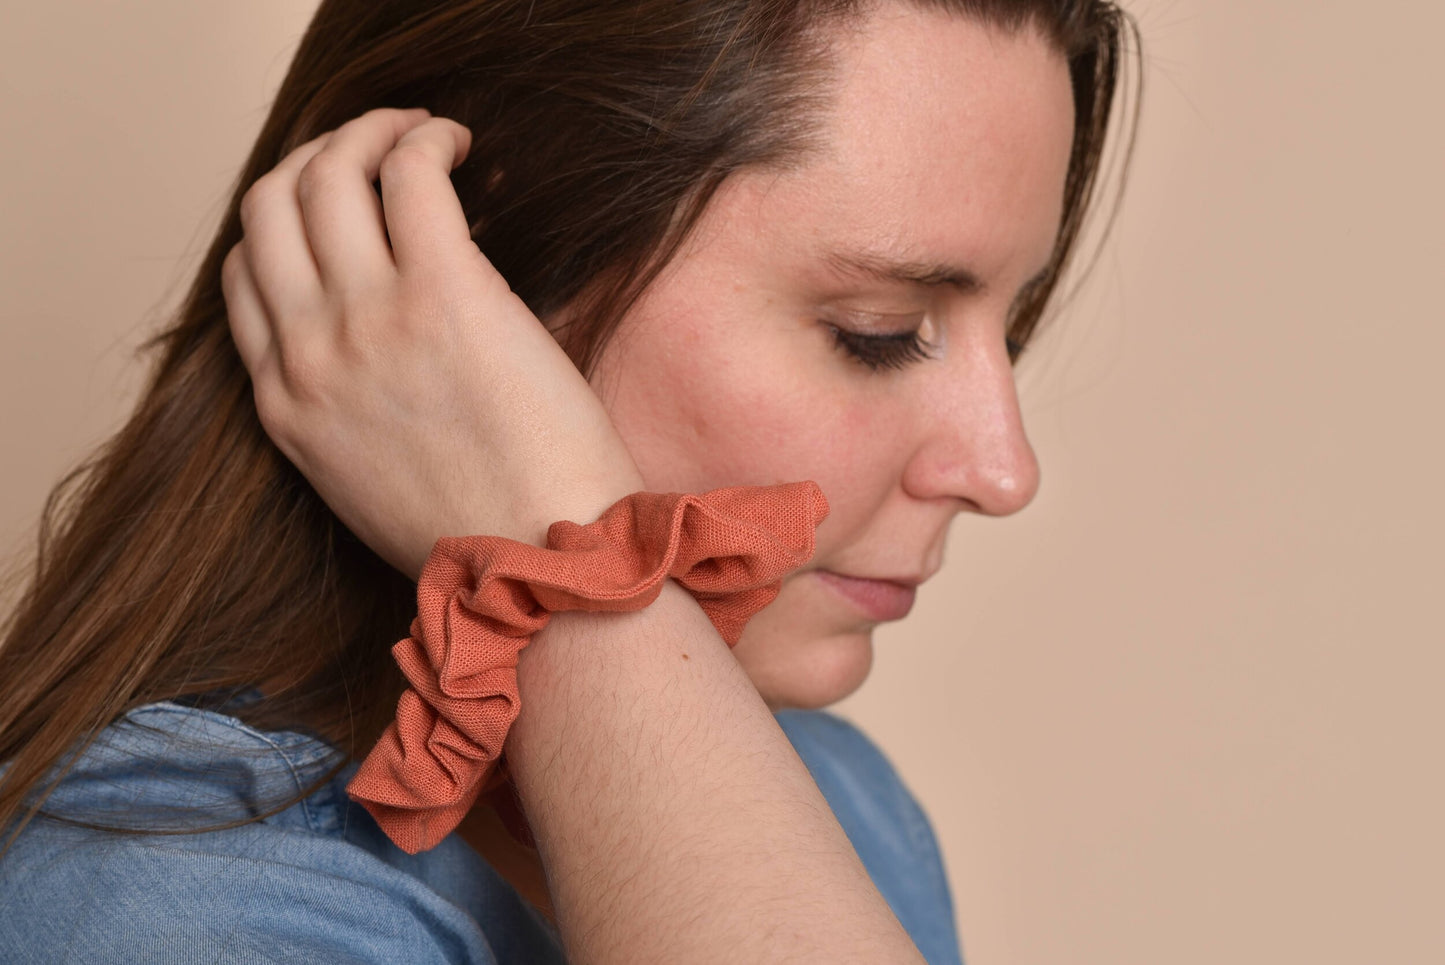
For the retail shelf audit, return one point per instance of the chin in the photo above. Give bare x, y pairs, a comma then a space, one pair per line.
809, 675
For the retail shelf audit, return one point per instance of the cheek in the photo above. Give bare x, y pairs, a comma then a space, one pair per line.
699, 411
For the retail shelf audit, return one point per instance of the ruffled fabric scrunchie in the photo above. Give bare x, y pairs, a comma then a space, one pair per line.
481, 598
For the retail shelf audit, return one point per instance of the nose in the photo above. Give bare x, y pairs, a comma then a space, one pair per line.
971, 442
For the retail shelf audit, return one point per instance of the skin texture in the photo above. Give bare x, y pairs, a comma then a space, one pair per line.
948, 146
948, 149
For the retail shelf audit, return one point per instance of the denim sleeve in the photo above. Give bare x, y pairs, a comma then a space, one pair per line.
264, 896
884, 822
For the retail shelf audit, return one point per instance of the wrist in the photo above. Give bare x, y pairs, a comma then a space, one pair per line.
581, 502
581, 648
481, 599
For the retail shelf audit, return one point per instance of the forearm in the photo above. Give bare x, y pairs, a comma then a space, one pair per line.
675, 820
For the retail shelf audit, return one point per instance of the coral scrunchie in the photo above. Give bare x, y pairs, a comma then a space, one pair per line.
481, 598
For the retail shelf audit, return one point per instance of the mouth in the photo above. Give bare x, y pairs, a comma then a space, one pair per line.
877, 599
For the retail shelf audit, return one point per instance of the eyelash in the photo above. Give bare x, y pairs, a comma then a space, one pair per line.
880, 352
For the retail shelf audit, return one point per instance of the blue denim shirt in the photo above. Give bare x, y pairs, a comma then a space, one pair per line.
319, 883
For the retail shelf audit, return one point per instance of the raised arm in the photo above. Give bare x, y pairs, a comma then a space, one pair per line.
421, 398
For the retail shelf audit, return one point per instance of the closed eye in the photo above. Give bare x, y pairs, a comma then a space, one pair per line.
878, 352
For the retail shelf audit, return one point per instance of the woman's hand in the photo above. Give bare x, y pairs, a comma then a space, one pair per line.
417, 394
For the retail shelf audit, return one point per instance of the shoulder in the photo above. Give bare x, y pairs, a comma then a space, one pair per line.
883, 820
252, 894
314, 882
861, 784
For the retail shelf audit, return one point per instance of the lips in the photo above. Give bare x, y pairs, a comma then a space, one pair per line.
878, 599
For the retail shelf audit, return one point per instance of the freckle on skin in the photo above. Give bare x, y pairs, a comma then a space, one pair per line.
686, 657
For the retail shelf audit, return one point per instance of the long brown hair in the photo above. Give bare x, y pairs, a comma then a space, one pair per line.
187, 556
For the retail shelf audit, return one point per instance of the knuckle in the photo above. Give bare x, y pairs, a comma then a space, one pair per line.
273, 409
319, 175
302, 370
406, 159
377, 117
437, 128
255, 200
387, 114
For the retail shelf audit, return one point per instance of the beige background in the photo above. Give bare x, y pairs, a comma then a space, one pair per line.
1186, 708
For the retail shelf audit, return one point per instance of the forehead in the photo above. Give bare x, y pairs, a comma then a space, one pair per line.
945, 141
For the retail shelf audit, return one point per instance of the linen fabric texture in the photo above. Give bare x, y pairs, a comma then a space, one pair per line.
481, 598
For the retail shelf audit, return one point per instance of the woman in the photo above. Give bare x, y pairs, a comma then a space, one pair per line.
751, 243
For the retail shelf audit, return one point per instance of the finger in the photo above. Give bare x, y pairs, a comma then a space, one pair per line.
343, 215
245, 313
423, 214
297, 157
278, 251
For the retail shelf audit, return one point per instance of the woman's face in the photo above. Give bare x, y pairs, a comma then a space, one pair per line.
936, 196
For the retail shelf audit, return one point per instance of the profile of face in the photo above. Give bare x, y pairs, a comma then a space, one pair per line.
779, 345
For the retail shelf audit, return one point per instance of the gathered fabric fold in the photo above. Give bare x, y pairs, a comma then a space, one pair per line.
481, 598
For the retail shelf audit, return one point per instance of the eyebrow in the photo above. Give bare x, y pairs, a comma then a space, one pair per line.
860, 264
